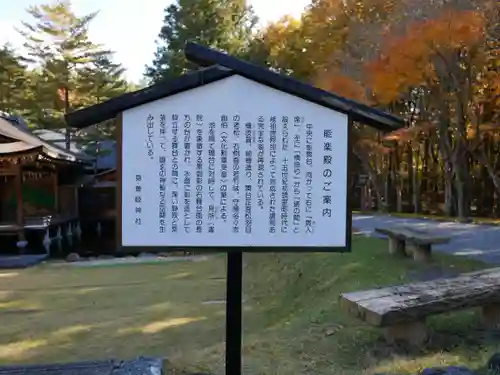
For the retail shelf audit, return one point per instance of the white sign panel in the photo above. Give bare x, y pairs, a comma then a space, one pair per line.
234, 163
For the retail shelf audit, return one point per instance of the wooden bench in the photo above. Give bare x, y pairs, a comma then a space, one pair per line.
420, 241
401, 310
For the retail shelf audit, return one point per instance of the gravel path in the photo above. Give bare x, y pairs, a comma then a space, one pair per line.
476, 241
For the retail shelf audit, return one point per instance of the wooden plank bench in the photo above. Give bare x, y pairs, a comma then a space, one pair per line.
420, 241
401, 310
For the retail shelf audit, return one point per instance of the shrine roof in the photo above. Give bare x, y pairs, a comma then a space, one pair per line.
21, 141
216, 66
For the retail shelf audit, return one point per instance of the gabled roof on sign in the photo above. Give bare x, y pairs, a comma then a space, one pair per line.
110, 108
360, 112
219, 65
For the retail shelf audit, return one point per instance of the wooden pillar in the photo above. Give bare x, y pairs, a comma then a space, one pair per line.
397, 247
55, 181
421, 253
76, 201
19, 198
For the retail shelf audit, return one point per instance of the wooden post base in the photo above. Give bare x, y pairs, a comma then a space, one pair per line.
491, 316
413, 333
21, 241
396, 247
422, 253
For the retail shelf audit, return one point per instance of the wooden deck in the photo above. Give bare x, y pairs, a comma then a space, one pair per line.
46, 230
36, 223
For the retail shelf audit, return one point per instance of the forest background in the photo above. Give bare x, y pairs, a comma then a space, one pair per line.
436, 63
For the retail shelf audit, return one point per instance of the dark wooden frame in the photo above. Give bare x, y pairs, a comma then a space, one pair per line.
221, 66
118, 184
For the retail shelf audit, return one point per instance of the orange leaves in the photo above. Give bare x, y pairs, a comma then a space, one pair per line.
373, 147
491, 130
404, 64
453, 29
392, 75
341, 85
408, 61
410, 134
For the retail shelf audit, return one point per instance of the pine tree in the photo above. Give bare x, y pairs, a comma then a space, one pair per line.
13, 81
98, 82
57, 41
101, 80
221, 24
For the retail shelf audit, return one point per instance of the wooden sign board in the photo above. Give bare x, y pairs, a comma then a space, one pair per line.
234, 163
233, 158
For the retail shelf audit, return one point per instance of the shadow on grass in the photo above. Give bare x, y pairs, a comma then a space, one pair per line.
302, 308
174, 339
293, 323
77, 315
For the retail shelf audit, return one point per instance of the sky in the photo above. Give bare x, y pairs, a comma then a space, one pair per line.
129, 28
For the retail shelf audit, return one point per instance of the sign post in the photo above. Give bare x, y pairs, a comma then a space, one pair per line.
234, 327
233, 158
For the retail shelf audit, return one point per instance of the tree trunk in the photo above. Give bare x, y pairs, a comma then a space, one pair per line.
461, 201
416, 183
460, 171
66, 110
445, 149
389, 186
483, 159
425, 196
425, 165
448, 190
363, 198
409, 161
376, 179
398, 181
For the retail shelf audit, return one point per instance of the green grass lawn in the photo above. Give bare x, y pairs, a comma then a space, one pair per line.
292, 320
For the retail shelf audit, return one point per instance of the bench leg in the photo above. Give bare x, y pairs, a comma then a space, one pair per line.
491, 315
421, 253
396, 247
413, 333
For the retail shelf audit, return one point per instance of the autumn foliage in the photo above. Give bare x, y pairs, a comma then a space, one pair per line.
343, 85
409, 60
434, 63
